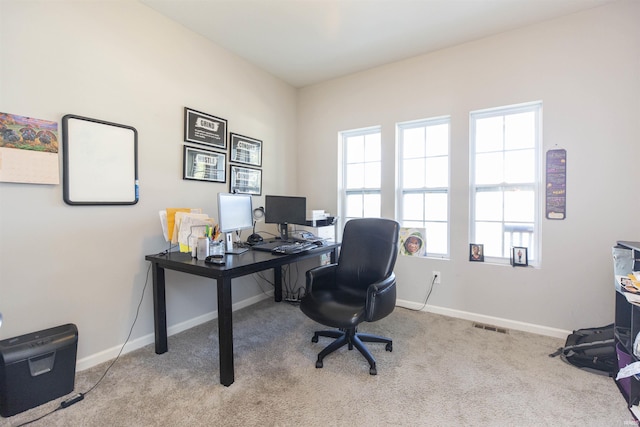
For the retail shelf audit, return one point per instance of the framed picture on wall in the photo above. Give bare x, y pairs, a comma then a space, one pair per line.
519, 256
245, 180
204, 165
245, 150
202, 128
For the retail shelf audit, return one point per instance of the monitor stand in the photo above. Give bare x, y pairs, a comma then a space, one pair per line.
229, 246
284, 231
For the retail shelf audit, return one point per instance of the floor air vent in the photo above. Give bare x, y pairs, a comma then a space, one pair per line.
490, 328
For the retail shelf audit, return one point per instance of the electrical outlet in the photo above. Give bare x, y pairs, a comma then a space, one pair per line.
436, 277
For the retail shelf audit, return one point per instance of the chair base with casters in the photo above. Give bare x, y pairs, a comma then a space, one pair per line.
350, 337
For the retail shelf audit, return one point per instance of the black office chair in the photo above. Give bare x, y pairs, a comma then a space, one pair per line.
360, 287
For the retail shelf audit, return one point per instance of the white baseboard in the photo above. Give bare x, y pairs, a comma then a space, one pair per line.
111, 353
495, 321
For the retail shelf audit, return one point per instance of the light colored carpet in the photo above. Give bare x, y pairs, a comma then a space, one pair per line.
442, 372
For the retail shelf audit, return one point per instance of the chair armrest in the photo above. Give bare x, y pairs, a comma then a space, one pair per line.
320, 277
381, 298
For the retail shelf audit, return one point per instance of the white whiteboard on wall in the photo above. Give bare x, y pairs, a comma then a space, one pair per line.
100, 161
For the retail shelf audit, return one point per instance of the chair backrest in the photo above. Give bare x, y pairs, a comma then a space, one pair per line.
368, 252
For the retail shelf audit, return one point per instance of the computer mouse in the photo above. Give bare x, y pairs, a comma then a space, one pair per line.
319, 243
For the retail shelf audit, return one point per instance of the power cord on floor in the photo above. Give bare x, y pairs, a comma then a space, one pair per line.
433, 281
80, 396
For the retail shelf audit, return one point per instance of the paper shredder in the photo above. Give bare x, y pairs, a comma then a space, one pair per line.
36, 368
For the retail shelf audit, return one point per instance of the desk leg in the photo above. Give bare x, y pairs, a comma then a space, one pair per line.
277, 284
225, 331
159, 309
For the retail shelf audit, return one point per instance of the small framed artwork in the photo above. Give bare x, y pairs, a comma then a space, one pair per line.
204, 165
476, 252
202, 128
519, 257
245, 150
245, 180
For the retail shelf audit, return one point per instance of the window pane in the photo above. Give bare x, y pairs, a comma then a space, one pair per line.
438, 140
519, 206
355, 149
354, 205
490, 235
413, 209
520, 166
413, 173
355, 176
436, 237
413, 142
489, 168
436, 206
371, 205
489, 134
372, 178
372, 147
437, 172
489, 206
519, 130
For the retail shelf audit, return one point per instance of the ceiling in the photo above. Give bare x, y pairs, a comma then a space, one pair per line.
309, 41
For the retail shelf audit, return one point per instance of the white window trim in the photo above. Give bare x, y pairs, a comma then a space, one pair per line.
400, 170
538, 184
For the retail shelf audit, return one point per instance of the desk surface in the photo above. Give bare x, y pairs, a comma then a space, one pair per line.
235, 265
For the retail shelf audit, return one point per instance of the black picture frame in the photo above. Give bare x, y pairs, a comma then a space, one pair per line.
244, 180
476, 252
203, 128
519, 256
100, 162
245, 150
204, 165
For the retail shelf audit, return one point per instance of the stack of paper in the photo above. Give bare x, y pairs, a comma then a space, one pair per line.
183, 227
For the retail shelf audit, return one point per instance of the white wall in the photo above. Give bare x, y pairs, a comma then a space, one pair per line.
586, 70
125, 63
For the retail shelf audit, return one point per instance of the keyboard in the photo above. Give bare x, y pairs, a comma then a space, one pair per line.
293, 248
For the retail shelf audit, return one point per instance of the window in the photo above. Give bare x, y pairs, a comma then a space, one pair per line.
505, 180
361, 173
423, 197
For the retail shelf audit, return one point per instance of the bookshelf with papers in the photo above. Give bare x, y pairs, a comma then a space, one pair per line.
626, 259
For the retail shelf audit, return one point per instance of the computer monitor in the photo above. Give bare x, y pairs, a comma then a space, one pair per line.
235, 213
284, 210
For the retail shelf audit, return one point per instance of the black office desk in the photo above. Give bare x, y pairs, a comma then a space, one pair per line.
236, 266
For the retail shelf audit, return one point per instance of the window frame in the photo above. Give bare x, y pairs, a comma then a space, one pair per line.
536, 185
401, 191
343, 192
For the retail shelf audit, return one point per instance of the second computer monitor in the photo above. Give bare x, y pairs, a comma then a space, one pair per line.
284, 210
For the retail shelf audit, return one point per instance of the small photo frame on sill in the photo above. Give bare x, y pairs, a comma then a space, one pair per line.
204, 165
245, 150
519, 256
245, 180
476, 252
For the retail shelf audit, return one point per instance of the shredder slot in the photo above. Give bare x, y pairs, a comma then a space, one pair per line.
42, 364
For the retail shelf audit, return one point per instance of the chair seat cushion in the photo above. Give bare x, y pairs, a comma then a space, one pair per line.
334, 308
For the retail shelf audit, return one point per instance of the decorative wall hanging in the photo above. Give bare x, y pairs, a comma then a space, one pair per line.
202, 128
204, 165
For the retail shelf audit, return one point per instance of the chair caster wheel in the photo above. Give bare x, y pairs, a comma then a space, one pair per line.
373, 371
319, 364
388, 347
314, 338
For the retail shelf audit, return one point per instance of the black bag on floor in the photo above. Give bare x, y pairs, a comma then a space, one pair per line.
591, 349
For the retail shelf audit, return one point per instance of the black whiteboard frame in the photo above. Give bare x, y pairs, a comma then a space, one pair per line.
76, 191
